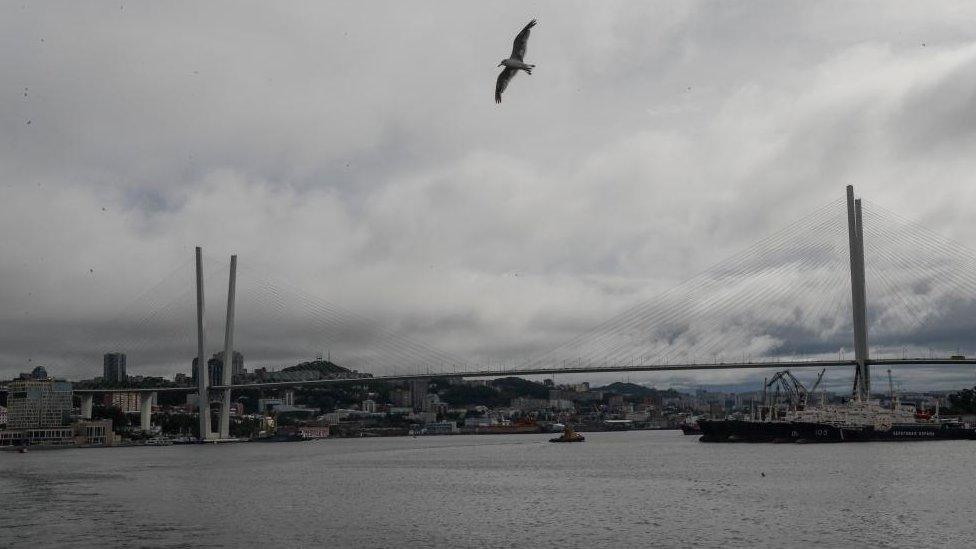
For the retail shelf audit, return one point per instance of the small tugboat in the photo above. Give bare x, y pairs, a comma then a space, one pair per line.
569, 435
690, 426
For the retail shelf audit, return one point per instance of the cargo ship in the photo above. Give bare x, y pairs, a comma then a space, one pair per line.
858, 420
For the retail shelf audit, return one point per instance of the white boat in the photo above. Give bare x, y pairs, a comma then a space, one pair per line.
158, 441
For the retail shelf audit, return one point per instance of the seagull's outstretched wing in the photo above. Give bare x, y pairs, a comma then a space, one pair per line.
502, 83
521, 41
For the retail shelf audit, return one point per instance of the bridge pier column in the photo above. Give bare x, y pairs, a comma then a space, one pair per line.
203, 403
145, 411
86, 405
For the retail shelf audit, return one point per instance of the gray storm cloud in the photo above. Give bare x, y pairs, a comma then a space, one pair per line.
356, 152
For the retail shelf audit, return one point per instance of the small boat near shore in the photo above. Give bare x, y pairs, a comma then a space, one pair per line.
569, 435
158, 441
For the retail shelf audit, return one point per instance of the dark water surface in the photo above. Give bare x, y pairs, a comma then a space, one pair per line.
634, 489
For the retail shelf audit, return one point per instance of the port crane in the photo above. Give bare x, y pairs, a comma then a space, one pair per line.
786, 385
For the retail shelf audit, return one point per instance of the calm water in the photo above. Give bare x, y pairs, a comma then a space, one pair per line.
616, 489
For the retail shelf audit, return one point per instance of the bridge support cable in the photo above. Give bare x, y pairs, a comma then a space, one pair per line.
288, 323
673, 305
375, 343
770, 300
725, 299
734, 316
705, 301
933, 276
298, 316
718, 311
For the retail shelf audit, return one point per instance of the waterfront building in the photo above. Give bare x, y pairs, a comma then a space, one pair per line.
310, 432
38, 410
38, 403
434, 404
331, 418
54, 436
93, 433
369, 406
641, 416
526, 404
113, 368
442, 428
401, 398
562, 404
422, 417
3, 415
284, 405
10, 438
81, 433
484, 421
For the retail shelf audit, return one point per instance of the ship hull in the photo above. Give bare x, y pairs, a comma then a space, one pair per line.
783, 431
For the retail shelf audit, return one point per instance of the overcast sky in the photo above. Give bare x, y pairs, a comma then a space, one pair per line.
355, 151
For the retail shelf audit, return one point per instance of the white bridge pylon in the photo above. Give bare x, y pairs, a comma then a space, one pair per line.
203, 395
855, 228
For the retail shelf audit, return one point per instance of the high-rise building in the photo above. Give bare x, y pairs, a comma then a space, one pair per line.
418, 393
215, 368
38, 403
113, 368
127, 402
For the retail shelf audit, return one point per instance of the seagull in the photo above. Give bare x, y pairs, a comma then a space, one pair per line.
514, 63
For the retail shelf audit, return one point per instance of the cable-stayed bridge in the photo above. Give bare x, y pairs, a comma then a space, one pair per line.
797, 298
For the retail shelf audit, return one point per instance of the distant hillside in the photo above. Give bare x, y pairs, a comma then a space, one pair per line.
498, 392
513, 387
323, 366
633, 389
